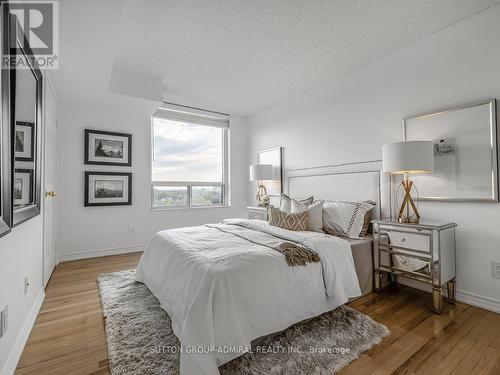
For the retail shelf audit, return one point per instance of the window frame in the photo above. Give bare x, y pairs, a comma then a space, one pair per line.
190, 184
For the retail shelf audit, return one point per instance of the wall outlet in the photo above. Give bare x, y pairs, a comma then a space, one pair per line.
495, 269
4, 314
131, 230
26, 285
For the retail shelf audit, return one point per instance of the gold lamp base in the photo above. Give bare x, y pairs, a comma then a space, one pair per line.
408, 205
409, 220
262, 197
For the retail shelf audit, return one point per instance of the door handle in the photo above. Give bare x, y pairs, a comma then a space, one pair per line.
50, 194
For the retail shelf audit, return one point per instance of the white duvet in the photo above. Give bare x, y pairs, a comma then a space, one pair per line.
222, 291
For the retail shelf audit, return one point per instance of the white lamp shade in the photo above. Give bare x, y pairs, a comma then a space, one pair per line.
408, 157
259, 172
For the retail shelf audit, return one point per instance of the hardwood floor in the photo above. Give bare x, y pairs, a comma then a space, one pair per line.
68, 336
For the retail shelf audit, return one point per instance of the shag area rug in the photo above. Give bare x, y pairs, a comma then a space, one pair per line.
140, 339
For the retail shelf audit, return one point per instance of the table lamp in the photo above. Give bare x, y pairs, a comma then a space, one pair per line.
407, 158
259, 173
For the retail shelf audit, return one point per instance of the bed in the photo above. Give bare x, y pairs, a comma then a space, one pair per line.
222, 291
223, 287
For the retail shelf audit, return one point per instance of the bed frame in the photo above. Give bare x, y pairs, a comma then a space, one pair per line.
351, 181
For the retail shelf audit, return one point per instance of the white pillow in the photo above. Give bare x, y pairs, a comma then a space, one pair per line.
315, 210
286, 202
344, 218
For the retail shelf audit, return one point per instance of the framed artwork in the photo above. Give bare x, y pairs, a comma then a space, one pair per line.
24, 141
108, 148
465, 153
22, 187
108, 189
273, 156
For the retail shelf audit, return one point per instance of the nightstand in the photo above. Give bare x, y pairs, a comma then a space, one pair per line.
256, 212
423, 252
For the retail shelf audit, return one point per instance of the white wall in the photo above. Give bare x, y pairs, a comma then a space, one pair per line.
21, 256
84, 230
21, 253
348, 120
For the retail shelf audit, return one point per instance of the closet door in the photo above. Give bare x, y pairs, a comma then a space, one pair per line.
50, 180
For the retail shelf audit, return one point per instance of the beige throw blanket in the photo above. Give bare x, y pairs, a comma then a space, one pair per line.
295, 254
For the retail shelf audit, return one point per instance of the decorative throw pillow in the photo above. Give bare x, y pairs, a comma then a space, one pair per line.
286, 202
315, 222
344, 218
281, 219
367, 220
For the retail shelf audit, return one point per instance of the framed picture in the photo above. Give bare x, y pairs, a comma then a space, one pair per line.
465, 152
108, 148
24, 141
108, 189
22, 188
273, 156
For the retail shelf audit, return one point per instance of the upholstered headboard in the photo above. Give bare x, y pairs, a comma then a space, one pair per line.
352, 181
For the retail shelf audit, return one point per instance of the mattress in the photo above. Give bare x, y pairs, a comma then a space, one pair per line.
362, 253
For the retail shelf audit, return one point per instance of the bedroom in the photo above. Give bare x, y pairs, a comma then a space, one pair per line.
313, 89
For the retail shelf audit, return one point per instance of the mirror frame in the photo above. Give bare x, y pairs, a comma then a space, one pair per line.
5, 136
17, 35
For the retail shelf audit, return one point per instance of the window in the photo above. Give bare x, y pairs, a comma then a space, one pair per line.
189, 158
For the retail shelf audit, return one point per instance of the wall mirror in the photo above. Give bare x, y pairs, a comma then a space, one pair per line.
465, 152
26, 98
5, 135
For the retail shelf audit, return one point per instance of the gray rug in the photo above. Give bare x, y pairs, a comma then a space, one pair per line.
140, 339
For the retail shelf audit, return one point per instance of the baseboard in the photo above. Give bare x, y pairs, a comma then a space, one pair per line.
69, 256
478, 300
22, 338
469, 298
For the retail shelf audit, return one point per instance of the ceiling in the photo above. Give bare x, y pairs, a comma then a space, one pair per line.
234, 56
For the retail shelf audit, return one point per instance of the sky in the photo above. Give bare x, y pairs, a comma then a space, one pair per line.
187, 153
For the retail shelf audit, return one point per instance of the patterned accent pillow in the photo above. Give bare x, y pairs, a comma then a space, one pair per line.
281, 219
344, 218
286, 202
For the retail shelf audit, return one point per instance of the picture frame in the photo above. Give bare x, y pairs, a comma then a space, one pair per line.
273, 156
108, 189
108, 148
465, 152
22, 187
24, 141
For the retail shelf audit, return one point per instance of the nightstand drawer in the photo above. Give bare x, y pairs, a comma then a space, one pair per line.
415, 241
257, 216
257, 213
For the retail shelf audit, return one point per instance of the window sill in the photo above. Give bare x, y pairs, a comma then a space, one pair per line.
185, 208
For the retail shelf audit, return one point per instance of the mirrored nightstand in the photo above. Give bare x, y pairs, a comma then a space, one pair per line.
257, 213
423, 252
